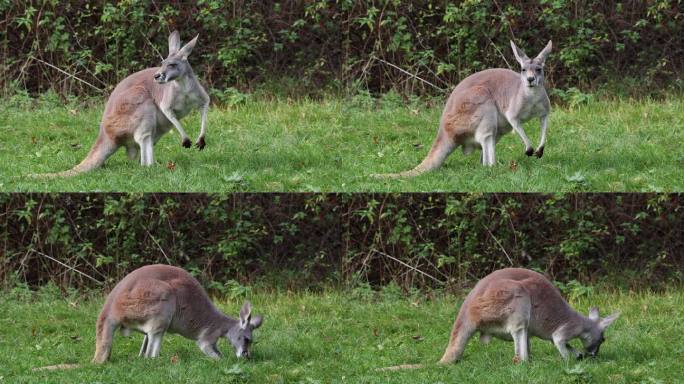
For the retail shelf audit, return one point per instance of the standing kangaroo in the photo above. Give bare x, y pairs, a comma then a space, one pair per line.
144, 106
160, 298
515, 303
485, 106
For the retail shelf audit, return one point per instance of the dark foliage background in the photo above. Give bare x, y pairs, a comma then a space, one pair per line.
295, 241
303, 47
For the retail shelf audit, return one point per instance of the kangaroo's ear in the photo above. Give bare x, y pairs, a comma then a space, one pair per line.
594, 314
606, 321
245, 314
541, 57
255, 322
519, 54
187, 48
174, 42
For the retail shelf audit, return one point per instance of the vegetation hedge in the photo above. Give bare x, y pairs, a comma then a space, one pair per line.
306, 46
295, 241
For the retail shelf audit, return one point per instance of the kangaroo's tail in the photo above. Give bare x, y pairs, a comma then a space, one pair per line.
104, 335
460, 334
101, 150
441, 148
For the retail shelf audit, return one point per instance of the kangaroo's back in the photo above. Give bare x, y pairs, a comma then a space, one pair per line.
497, 84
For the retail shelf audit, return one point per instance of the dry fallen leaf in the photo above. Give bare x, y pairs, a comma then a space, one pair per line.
513, 165
417, 337
171, 166
174, 359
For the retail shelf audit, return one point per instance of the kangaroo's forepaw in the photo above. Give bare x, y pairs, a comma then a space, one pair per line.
539, 152
187, 143
200, 144
529, 151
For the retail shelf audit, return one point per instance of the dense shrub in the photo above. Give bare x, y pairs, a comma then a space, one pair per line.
244, 43
305, 240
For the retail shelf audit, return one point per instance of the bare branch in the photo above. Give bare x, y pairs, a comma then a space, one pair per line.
66, 73
409, 73
68, 266
406, 265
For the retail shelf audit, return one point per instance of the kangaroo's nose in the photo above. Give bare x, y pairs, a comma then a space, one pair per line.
157, 76
530, 78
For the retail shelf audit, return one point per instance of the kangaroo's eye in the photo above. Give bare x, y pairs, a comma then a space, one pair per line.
173, 65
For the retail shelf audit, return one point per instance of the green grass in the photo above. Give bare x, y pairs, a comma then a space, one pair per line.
333, 338
334, 145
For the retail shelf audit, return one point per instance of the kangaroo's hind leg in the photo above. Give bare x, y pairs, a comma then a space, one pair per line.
155, 341
143, 134
521, 341
485, 133
143, 347
132, 151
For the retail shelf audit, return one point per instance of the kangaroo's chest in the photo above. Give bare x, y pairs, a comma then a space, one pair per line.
184, 103
533, 106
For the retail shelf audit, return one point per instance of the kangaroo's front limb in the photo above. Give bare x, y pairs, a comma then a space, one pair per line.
517, 127
540, 149
209, 349
564, 348
168, 113
200, 144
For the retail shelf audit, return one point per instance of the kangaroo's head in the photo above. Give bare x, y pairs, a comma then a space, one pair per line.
592, 337
176, 65
240, 335
531, 70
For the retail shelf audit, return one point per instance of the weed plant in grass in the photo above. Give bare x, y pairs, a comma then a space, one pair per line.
333, 145
339, 337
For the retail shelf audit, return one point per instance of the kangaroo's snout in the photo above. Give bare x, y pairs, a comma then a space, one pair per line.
160, 77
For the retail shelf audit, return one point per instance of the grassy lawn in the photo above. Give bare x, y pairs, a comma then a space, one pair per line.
332, 337
334, 145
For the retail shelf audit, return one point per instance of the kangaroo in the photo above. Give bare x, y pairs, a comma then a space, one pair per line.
485, 106
144, 106
515, 303
155, 299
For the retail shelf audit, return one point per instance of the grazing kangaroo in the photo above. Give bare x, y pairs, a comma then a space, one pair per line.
515, 303
144, 106
160, 298
485, 106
